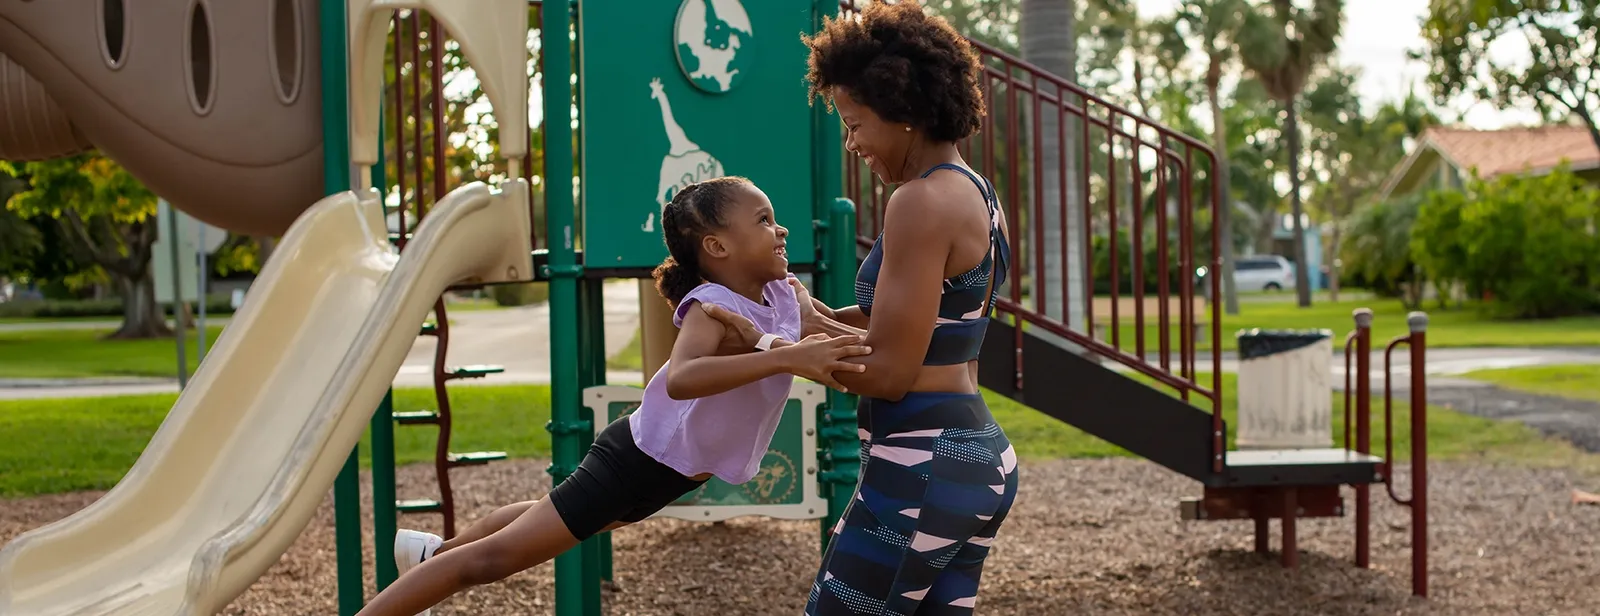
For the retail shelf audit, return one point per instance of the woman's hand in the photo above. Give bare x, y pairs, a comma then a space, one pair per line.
808, 306
818, 356
739, 334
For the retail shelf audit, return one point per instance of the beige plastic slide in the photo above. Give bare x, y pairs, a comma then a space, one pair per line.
253, 444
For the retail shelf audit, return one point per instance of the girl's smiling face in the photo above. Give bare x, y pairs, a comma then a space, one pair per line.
753, 236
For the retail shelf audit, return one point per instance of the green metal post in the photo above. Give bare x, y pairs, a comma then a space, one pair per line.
385, 519
565, 392
597, 564
336, 177
838, 444
837, 436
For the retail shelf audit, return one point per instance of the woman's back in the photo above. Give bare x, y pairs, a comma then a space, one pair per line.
975, 267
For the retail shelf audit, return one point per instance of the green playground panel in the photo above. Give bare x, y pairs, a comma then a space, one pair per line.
700, 89
784, 487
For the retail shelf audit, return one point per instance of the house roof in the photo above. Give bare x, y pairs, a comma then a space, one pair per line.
1511, 150
1496, 152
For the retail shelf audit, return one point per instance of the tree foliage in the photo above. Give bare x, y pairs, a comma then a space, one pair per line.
1377, 250
1562, 38
107, 218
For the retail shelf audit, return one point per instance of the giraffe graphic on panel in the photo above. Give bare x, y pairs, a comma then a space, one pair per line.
684, 164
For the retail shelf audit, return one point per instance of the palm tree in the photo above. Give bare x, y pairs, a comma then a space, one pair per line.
1281, 45
1211, 21
1049, 41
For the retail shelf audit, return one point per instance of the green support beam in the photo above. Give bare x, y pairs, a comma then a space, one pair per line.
565, 426
838, 448
336, 178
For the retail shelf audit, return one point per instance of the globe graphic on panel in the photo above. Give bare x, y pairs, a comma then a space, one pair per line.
712, 43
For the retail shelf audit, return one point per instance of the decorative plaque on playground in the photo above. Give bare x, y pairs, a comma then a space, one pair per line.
679, 92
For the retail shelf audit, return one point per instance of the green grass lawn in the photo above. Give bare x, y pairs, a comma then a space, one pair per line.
1464, 327
1576, 381
68, 353
89, 443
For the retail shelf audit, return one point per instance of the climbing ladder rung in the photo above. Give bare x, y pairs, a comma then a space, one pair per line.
416, 417
430, 329
421, 505
476, 457
473, 372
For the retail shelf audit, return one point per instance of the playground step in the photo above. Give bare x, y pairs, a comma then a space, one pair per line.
476, 457
1299, 468
407, 418
421, 505
473, 372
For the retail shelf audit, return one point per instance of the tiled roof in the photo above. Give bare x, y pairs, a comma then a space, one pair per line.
1494, 152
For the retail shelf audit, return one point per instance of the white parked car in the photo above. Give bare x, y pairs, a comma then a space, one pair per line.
1263, 273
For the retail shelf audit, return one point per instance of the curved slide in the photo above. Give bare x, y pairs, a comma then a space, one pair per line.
253, 444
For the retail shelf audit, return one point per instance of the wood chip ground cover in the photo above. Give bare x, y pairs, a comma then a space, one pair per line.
1087, 537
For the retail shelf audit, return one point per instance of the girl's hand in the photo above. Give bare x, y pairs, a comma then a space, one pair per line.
818, 356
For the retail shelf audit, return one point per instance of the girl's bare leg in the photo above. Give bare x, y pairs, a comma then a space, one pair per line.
525, 540
536, 536
490, 524
496, 520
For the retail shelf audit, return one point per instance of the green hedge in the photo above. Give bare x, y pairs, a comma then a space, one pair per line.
520, 294
81, 308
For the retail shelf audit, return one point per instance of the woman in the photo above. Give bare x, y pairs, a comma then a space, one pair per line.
938, 475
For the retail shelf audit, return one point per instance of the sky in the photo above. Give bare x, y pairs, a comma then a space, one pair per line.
1375, 38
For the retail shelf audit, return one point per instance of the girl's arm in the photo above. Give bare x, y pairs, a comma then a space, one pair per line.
696, 370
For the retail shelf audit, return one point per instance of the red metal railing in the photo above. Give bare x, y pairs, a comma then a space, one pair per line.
1127, 175
419, 170
1360, 396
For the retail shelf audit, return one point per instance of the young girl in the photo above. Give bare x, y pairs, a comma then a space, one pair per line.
710, 411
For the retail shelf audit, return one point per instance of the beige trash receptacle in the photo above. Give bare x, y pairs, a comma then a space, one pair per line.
1285, 389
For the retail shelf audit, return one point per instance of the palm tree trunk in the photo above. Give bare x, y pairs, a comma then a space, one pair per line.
1048, 41
1302, 283
1219, 143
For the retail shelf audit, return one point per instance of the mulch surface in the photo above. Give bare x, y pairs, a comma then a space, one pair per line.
1086, 537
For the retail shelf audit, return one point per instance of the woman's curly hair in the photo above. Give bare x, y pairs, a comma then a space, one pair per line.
906, 65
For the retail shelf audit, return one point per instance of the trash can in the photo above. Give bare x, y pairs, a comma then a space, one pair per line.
1285, 389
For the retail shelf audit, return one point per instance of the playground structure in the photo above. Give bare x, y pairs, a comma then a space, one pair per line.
298, 378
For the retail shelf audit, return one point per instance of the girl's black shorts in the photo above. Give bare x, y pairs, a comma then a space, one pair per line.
616, 481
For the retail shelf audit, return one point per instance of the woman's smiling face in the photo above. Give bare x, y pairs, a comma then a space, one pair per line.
881, 144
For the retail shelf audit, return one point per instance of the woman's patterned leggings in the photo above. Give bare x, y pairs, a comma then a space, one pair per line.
937, 480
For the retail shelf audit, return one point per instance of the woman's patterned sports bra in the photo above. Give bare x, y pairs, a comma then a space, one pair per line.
964, 307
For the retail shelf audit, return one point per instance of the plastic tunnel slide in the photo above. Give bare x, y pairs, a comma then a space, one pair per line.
253, 444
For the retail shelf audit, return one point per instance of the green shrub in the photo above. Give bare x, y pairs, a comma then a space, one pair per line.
521, 294
79, 308
1532, 244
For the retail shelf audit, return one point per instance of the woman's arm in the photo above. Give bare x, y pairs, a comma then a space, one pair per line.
696, 370
906, 301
